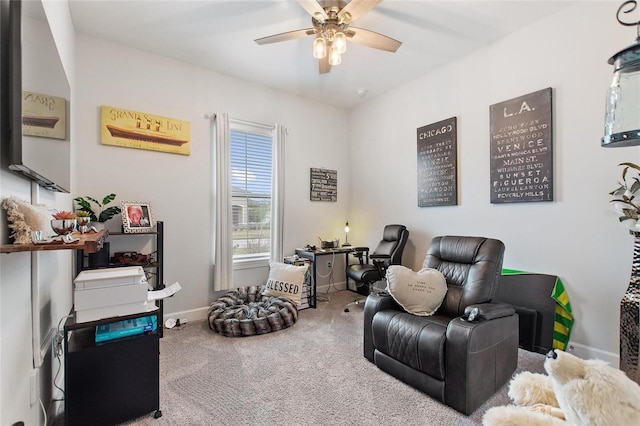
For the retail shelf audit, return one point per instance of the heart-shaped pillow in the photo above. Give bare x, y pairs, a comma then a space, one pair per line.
419, 293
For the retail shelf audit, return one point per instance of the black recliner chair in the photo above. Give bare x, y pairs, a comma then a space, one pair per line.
388, 252
468, 349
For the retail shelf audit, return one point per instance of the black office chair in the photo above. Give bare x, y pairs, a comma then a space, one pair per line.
388, 252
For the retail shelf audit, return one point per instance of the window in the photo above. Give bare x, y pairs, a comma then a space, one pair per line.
251, 186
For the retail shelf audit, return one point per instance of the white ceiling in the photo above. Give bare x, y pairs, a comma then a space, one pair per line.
219, 35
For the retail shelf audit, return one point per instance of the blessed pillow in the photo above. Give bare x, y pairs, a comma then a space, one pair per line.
286, 281
25, 218
419, 293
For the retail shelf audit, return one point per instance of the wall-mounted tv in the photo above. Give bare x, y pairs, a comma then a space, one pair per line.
38, 142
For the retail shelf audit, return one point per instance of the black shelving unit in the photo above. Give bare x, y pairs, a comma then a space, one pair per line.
110, 382
114, 381
155, 267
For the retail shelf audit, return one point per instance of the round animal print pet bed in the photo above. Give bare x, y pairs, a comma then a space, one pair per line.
247, 312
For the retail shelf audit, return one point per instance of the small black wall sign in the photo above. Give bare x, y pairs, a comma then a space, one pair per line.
521, 161
324, 185
437, 164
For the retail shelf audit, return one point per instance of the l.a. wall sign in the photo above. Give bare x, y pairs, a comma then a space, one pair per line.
140, 130
521, 148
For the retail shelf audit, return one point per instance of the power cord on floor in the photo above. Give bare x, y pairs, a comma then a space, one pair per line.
58, 352
331, 281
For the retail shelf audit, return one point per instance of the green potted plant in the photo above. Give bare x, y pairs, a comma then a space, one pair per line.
627, 198
98, 211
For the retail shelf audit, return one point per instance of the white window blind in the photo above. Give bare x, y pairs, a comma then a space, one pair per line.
251, 187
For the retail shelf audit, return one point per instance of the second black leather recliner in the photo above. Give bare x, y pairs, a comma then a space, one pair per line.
388, 252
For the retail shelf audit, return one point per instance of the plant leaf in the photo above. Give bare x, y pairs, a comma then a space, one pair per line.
83, 203
93, 200
108, 213
109, 198
632, 165
621, 200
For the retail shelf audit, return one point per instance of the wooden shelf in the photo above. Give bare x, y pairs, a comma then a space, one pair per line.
89, 243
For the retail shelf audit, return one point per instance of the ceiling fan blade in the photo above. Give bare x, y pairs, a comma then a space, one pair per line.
357, 8
373, 39
325, 66
276, 38
313, 8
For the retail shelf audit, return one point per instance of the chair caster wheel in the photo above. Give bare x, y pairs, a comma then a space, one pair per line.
346, 309
157, 414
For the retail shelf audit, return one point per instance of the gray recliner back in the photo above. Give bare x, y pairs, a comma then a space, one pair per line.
471, 266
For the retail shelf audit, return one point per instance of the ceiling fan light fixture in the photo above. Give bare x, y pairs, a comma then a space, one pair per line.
319, 47
330, 20
334, 56
340, 41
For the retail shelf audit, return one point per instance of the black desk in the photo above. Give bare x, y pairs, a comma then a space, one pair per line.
312, 254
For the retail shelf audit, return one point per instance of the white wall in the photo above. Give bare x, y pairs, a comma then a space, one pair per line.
576, 236
41, 278
178, 187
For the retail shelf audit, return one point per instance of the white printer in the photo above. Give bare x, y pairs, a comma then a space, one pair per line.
104, 293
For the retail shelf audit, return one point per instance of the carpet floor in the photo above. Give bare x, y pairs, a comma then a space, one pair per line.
313, 373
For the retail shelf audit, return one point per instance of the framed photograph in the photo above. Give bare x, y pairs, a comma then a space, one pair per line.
137, 217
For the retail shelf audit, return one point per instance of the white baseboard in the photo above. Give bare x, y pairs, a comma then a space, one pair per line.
587, 352
190, 315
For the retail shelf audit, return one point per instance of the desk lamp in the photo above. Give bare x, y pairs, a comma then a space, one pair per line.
346, 237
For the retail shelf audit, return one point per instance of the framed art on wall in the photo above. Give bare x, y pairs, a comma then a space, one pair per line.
44, 115
324, 185
438, 163
141, 130
521, 149
137, 217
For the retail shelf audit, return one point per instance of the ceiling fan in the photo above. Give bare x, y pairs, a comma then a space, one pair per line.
331, 21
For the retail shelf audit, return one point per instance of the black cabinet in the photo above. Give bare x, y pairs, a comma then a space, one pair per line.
110, 382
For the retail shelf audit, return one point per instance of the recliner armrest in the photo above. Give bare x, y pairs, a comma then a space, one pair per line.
489, 311
360, 253
469, 344
380, 256
375, 302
